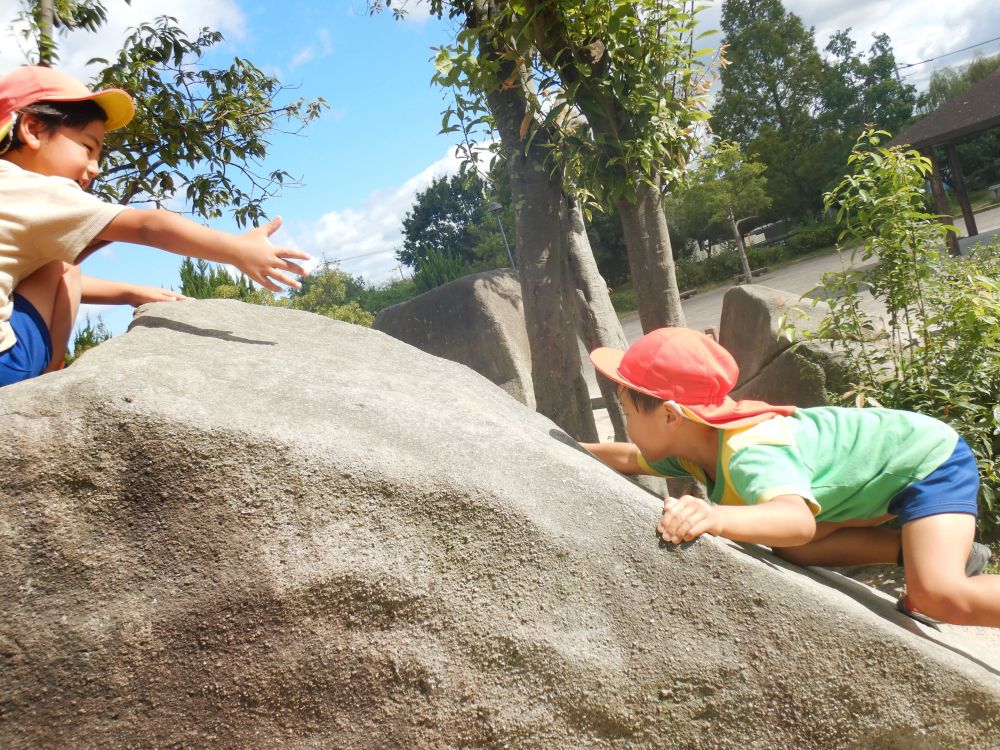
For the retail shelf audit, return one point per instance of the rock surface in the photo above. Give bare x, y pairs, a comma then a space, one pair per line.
243, 527
477, 321
753, 328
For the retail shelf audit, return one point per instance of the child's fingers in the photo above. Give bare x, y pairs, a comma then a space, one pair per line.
288, 252
293, 267
283, 279
272, 226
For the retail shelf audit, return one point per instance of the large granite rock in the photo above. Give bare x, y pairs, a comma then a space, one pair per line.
477, 321
754, 327
248, 527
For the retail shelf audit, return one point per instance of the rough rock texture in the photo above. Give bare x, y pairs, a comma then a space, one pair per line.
248, 527
477, 321
752, 329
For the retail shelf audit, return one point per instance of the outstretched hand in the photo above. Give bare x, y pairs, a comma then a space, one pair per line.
686, 518
140, 295
265, 263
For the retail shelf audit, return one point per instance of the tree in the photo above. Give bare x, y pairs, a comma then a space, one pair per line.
772, 80
734, 190
200, 133
487, 71
630, 95
798, 112
45, 17
769, 98
327, 291
449, 219
203, 280
949, 81
87, 337
860, 90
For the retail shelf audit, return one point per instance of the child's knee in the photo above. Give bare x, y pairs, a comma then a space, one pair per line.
945, 600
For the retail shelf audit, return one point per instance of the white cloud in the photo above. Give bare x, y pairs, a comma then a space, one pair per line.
322, 48
373, 229
919, 29
417, 11
78, 47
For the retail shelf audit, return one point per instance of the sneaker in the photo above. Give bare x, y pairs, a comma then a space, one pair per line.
904, 606
979, 555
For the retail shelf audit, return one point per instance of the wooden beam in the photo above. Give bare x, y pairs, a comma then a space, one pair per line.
958, 180
940, 201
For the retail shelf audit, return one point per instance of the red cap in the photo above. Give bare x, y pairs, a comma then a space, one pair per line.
688, 368
30, 84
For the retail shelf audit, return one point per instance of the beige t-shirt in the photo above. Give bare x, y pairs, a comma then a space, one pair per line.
41, 219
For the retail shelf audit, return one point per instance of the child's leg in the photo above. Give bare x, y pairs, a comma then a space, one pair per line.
54, 291
935, 549
839, 545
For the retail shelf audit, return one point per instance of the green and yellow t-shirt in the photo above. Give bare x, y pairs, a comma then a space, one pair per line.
847, 463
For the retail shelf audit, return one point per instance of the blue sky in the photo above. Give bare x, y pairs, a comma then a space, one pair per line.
378, 145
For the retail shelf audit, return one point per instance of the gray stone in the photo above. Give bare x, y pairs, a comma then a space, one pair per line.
252, 527
477, 321
774, 366
752, 324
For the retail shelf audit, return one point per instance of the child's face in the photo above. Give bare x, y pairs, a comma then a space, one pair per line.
651, 431
68, 152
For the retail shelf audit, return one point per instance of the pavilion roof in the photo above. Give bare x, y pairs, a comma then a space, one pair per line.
974, 110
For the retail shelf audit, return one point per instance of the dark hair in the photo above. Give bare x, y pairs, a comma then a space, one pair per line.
641, 401
56, 115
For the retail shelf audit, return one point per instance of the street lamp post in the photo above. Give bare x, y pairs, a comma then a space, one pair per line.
494, 208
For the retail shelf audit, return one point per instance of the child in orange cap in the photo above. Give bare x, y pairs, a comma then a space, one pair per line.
814, 484
51, 135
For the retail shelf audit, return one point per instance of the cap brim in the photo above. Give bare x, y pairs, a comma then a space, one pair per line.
117, 105
729, 414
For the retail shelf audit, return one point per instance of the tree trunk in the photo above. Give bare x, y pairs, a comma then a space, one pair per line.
547, 288
651, 259
46, 33
598, 322
741, 248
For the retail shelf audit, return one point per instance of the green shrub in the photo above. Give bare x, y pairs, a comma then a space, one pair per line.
813, 238
437, 269
941, 352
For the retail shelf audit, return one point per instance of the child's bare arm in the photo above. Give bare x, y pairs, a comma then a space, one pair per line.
785, 521
96, 291
622, 457
252, 253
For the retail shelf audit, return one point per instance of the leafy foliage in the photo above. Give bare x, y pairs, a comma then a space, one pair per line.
44, 17
203, 280
800, 113
327, 291
200, 133
620, 87
87, 337
450, 219
941, 352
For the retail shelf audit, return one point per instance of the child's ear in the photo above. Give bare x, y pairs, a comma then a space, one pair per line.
671, 415
30, 130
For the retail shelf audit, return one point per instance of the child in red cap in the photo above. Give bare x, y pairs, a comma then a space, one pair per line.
814, 484
51, 135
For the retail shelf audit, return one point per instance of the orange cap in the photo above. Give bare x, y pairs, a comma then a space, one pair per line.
30, 84
688, 368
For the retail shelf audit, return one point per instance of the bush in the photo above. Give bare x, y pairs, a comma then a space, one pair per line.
812, 238
941, 353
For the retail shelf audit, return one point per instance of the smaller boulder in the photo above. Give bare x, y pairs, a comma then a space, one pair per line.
477, 321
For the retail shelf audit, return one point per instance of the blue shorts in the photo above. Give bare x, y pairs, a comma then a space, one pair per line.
951, 488
32, 351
